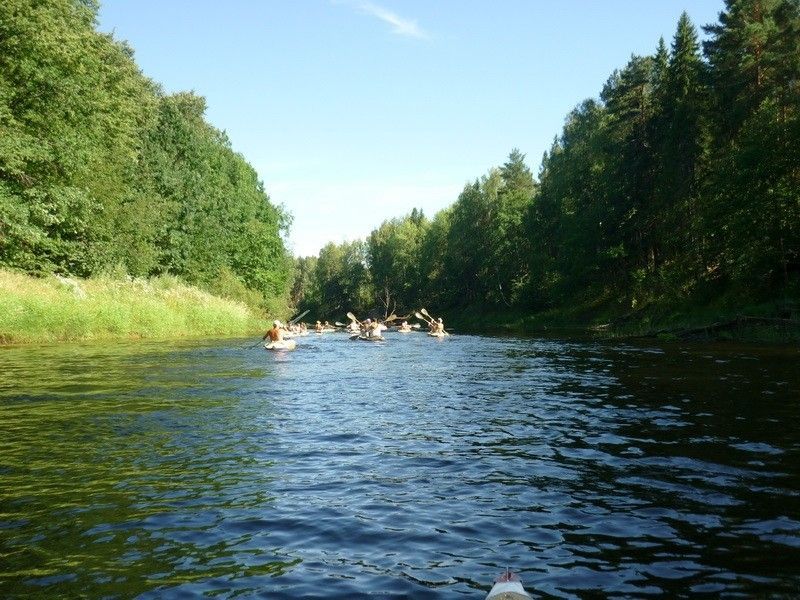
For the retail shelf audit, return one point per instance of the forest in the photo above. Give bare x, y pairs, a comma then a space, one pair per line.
675, 192
103, 174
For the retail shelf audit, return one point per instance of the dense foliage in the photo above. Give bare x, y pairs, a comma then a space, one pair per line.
679, 185
102, 172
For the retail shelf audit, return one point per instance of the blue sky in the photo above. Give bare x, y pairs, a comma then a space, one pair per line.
353, 111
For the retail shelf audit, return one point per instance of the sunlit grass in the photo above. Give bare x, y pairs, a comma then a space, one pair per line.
57, 309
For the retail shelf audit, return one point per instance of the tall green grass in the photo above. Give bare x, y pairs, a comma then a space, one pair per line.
58, 309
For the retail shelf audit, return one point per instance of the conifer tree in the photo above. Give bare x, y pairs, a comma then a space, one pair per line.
683, 147
754, 183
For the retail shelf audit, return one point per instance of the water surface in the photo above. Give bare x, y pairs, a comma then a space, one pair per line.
419, 468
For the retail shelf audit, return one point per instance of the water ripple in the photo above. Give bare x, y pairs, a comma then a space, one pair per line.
409, 469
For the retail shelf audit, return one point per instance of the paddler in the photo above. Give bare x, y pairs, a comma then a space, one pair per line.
376, 329
318, 327
366, 330
275, 334
327, 325
438, 326
404, 326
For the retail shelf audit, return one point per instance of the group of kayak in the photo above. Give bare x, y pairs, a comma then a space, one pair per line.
281, 337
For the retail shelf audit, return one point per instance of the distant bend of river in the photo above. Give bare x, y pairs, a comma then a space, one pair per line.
418, 468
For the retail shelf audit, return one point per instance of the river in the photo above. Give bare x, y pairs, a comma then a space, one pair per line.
418, 468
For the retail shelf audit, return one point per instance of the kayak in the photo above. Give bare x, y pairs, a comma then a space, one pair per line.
282, 345
439, 334
325, 331
508, 587
368, 338
404, 330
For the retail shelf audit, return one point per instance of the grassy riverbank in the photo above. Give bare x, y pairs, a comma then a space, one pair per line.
61, 309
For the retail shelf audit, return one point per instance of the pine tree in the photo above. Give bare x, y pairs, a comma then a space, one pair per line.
754, 194
739, 53
683, 138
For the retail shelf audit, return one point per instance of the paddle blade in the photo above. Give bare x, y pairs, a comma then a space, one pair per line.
298, 317
352, 317
421, 317
426, 313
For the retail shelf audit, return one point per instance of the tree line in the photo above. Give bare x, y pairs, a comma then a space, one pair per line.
102, 172
678, 186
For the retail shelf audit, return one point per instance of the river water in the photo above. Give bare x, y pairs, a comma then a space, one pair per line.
418, 468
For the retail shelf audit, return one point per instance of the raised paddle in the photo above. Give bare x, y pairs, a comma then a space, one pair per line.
425, 312
352, 317
298, 317
419, 316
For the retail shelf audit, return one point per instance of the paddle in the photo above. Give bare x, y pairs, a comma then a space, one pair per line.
352, 317
298, 317
419, 316
432, 321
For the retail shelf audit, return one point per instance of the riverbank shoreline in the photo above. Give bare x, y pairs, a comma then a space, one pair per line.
66, 309
772, 323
